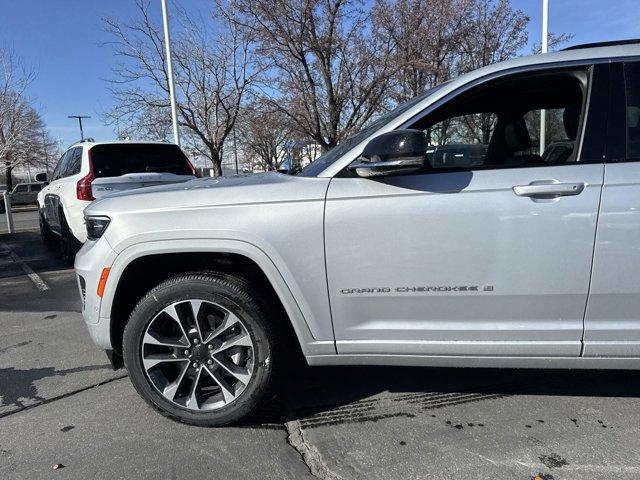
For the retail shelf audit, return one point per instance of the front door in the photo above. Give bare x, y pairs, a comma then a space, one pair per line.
488, 249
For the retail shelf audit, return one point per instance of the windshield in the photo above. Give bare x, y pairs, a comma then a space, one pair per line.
314, 168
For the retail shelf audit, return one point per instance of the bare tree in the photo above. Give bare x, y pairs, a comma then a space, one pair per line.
264, 135
327, 74
21, 126
555, 40
495, 32
425, 37
212, 75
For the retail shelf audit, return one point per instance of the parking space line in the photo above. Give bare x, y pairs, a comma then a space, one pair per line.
33, 276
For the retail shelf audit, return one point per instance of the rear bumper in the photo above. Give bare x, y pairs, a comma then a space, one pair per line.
92, 258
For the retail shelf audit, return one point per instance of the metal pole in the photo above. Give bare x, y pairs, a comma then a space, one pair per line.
7, 209
172, 92
235, 150
46, 153
545, 45
80, 117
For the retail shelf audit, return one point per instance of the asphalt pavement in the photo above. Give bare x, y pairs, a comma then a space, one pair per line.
61, 405
24, 219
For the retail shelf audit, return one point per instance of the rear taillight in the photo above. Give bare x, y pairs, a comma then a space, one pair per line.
83, 187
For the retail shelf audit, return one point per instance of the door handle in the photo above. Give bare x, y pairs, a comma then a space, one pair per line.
549, 189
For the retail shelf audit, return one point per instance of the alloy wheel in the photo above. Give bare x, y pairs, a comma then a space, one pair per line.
198, 355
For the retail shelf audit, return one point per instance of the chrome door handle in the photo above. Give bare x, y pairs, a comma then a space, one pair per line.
549, 189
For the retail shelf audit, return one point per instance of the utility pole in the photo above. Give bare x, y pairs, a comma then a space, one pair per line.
545, 45
80, 117
46, 153
235, 149
172, 92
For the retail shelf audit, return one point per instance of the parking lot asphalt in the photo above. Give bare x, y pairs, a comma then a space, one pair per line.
61, 404
25, 218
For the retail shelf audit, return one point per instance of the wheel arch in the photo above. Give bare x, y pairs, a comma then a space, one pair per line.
142, 266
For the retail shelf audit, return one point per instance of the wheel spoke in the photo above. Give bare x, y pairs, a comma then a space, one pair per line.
241, 373
151, 361
173, 313
227, 393
192, 401
171, 389
229, 320
242, 339
157, 339
195, 309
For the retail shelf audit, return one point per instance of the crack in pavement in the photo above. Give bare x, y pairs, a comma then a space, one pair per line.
311, 456
61, 397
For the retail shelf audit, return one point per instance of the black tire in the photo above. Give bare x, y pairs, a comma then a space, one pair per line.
69, 245
48, 237
235, 295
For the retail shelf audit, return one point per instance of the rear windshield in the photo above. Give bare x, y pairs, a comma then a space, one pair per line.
113, 160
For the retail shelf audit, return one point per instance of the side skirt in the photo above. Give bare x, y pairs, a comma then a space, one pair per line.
477, 362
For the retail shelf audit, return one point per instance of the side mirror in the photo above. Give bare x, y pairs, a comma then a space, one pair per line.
41, 177
399, 151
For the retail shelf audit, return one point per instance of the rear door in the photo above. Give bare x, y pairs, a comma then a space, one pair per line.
612, 322
123, 166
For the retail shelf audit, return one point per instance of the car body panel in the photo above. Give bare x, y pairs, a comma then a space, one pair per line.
612, 320
232, 208
413, 238
104, 186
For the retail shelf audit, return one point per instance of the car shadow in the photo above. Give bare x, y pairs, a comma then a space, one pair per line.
323, 396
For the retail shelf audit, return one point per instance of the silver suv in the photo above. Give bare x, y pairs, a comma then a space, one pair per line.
380, 253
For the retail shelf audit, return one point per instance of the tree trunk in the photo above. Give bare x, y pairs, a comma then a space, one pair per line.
216, 159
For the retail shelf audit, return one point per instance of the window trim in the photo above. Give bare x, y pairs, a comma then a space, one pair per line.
618, 149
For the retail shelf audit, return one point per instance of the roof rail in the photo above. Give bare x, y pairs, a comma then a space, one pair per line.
612, 43
84, 140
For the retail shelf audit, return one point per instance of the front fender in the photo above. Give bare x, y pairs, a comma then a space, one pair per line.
301, 323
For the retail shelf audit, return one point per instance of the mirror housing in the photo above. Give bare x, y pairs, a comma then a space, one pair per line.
398, 151
41, 177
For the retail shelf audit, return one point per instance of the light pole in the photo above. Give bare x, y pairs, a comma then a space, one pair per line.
80, 117
545, 45
172, 92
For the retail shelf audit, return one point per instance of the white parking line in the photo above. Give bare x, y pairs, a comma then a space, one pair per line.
33, 276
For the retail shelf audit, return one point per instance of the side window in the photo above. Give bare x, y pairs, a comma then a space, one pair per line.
22, 189
56, 171
36, 187
74, 162
61, 168
497, 125
632, 87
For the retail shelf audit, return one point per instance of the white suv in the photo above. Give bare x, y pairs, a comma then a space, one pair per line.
90, 170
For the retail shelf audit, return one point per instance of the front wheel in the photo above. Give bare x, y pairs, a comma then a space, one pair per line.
198, 348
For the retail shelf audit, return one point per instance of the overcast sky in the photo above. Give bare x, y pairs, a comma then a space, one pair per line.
64, 40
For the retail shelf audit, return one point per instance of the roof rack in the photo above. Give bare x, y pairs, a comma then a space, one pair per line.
84, 140
603, 44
